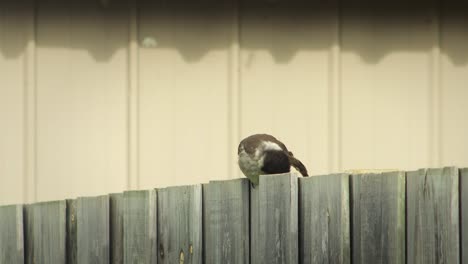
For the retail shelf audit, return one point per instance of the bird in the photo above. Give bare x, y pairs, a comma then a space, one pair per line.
261, 154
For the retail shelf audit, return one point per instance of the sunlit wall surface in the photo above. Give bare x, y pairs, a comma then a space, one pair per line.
104, 96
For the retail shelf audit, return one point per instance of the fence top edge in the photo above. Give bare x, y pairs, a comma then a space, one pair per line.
356, 172
138, 191
6, 206
105, 196
168, 188
236, 180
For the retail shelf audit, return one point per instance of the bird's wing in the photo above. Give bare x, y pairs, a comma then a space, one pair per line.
249, 144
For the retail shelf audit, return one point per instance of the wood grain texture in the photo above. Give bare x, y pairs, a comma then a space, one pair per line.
93, 230
324, 219
140, 241
72, 239
116, 211
180, 225
45, 232
226, 221
11, 234
378, 218
274, 220
464, 214
433, 216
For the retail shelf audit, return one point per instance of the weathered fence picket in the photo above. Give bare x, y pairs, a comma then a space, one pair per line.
464, 214
93, 230
433, 216
45, 232
378, 218
393, 217
180, 225
274, 220
140, 242
116, 236
11, 234
226, 221
324, 219
72, 239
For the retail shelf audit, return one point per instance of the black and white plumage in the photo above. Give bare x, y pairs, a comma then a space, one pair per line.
261, 154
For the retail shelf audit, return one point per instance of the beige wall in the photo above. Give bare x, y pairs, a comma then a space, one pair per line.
102, 98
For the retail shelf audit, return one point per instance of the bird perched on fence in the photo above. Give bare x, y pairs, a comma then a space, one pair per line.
264, 154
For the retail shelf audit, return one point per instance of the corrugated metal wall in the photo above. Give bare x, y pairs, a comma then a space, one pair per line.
102, 96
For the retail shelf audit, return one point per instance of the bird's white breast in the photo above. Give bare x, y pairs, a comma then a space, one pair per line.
250, 165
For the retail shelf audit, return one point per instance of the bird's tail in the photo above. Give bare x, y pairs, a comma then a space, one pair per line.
297, 164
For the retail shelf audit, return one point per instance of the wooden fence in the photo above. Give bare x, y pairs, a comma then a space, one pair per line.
394, 217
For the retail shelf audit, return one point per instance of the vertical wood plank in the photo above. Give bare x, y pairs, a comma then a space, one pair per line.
324, 219
45, 232
464, 214
226, 221
180, 224
116, 211
93, 230
140, 242
433, 216
274, 220
11, 234
71, 232
378, 215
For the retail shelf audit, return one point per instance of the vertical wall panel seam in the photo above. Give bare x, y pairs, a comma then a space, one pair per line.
339, 90
439, 83
435, 91
234, 100
334, 95
30, 110
133, 177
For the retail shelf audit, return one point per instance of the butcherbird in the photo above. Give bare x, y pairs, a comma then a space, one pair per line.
261, 154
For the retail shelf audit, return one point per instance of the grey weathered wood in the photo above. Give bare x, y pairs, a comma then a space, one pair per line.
93, 230
45, 235
72, 238
11, 234
116, 211
464, 212
274, 220
180, 224
378, 218
324, 219
140, 227
432, 220
226, 221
